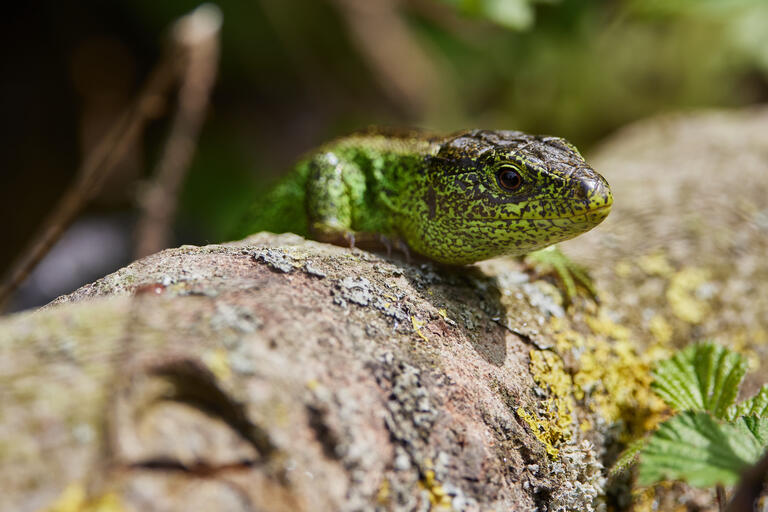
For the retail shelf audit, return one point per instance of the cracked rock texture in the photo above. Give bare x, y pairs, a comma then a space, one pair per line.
279, 374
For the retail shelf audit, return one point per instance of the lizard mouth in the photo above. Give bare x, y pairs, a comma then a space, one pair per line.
601, 211
592, 215
604, 210
598, 211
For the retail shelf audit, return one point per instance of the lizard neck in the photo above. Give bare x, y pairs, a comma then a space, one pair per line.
390, 166
381, 141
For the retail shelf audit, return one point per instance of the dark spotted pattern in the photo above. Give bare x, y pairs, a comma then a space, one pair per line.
441, 194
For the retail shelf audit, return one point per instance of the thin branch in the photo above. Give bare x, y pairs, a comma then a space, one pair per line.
393, 53
198, 34
96, 168
722, 500
92, 174
751, 486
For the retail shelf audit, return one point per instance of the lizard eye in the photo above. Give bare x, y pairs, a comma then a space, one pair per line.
509, 179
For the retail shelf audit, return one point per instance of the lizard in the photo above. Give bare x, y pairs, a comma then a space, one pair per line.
455, 199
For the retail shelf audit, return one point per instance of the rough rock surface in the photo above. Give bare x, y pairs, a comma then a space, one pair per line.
683, 257
282, 374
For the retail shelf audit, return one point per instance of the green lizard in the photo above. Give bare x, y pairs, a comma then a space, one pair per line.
455, 199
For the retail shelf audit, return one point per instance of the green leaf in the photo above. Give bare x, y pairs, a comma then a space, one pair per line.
696, 448
757, 427
755, 406
702, 377
512, 14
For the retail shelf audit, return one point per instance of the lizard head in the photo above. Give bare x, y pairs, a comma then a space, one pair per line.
491, 193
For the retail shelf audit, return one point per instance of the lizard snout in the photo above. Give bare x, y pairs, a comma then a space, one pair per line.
594, 190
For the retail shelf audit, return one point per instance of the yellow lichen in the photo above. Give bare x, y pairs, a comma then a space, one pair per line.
680, 295
610, 374
618, 381
566, 338
540, 430
383, 495
603, 324
622, 269
553, 423
660, 329
437, 495
217, 360
644, 500
417, 325
655, 264
549, 372
743, 343
444, 314
759, 336
74, 499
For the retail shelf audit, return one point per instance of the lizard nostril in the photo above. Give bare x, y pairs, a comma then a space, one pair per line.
588, 187
595, 191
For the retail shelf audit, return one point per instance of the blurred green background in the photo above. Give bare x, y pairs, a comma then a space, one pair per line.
295, 73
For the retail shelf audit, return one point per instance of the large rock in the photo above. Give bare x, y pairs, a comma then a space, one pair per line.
282, 374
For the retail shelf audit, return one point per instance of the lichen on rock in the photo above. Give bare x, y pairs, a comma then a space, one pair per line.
284, 374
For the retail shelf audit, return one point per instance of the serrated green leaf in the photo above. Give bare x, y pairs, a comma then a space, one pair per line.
757, 427
755, 406
702, 377
696, 448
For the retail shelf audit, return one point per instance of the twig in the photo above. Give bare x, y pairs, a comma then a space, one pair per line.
751, 486
721, 498
198, 35
92, 174
471, 31
393, 53
95, 170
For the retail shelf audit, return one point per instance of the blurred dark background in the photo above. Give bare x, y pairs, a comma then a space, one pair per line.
295, 73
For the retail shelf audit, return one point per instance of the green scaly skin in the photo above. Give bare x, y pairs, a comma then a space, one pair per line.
440, 195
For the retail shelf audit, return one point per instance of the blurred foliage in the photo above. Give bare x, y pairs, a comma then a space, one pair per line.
513, 14
575, 68
295, 73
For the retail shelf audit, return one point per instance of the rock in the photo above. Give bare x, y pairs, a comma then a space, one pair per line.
278, 374
283, 375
